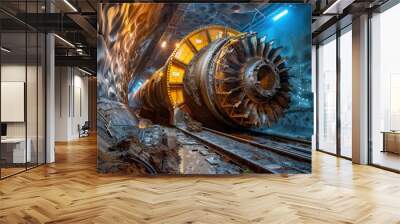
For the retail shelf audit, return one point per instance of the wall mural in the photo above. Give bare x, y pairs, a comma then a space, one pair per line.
204, 88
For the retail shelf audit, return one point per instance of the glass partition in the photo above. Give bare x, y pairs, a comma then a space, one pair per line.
13, 105
327, 96
22, 88
32, 97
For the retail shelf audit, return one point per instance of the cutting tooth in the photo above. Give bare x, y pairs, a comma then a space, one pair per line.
261, 46
281, 61
234, 66
278, 109
254, 115
268, 49
262, 115
249, 110
233, 58
239, 50
270, 112
246, 47
275, 54
254, 44
263, 119
227, 69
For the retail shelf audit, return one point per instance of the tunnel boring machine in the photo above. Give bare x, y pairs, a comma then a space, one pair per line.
220, 77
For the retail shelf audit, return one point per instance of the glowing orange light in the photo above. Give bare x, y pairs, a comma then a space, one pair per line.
164, 44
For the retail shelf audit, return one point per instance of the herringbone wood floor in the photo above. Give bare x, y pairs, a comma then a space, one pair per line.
70, 191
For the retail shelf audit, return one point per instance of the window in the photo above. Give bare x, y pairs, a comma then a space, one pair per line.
346, 93
385, 89
327, 96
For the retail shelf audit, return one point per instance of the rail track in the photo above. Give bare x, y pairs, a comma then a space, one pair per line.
259, 157
290, 148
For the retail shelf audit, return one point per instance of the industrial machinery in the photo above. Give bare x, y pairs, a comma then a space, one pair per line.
220, 77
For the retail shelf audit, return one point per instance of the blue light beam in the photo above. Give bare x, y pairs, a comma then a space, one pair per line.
280, 15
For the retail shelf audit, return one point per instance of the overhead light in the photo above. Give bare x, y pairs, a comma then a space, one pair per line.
164, 44
70, 5
84, 71
5, 50
337, 7
280, 15
64, 40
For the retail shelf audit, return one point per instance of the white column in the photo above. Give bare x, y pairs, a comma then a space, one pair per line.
50, 92
360, 90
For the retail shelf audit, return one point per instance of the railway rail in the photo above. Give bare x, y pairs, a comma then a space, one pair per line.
292, 149
261, 158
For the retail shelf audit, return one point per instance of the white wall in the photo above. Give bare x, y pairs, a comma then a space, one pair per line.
71, 94
16, 73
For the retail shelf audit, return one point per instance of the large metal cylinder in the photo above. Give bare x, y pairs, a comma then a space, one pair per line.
221, 77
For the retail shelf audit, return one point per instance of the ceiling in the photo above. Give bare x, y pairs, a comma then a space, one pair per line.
76, 22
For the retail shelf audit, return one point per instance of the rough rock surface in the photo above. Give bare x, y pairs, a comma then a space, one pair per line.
124, 147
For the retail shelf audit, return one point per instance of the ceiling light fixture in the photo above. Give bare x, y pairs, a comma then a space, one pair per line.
5, 50
64, 40
279, 15
84, 71
70, 5
335, 6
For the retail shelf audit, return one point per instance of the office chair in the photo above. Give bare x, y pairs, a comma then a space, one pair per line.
84, 130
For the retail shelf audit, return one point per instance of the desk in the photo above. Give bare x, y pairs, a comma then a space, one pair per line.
13, 150
391, 141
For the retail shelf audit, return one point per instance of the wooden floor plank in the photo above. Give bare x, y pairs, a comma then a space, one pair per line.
70, 191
